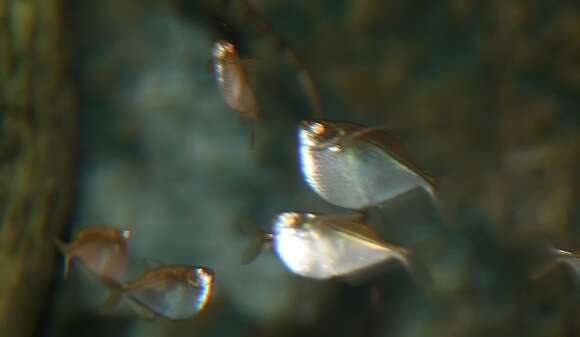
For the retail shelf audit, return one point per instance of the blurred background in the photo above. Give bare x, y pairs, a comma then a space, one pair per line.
110, 114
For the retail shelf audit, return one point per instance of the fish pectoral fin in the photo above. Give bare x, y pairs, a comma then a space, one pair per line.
255, 249
64, 248
262, 241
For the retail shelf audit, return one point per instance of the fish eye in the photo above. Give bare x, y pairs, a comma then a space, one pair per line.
317, 128
221, 48
323, 136
126, 234
218, 49
290, 218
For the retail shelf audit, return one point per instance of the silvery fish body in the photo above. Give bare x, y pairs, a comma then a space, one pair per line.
172, 292
328, 246
233, 80
355, 169
100, 249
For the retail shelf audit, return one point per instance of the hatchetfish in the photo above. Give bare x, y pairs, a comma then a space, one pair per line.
100, 249
329, 246
172, 292
233, 80
356, 167
572, 260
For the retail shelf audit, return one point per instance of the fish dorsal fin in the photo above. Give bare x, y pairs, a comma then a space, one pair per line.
345, 224
95, 230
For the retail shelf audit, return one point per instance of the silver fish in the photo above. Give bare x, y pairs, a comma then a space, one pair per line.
355, 167
233, 80
100, 249
170, 291
328, 246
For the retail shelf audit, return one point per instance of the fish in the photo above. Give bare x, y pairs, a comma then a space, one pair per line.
357, 167
233, 80
559, 257
326, 246
173, 292
101, 249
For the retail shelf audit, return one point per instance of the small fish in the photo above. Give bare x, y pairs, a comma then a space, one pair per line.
356, 167
169, 291
233, 80
329, 246
101, 249
572, 260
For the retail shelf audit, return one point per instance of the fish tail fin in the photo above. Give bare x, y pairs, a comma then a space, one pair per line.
64, 248
418, 270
